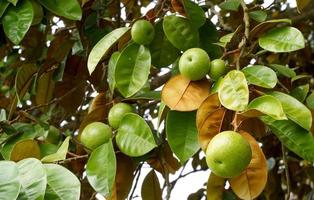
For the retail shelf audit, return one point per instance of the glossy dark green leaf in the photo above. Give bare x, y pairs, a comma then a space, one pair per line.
310, 101
132, 69
182, 134
61, 183
147, 95
9, 180
180, 32
268, 105
111, 70
134, 137
258, 15
295, 138
69, 9
260, 75
194, 13
209, 35
163, 52
284, 39
294, 109
283, 70
14, 2
17, 20
300, 92
102, 47
3, 7
60, 154
33, 179
233, 91
230, 5
101, 169
301, 76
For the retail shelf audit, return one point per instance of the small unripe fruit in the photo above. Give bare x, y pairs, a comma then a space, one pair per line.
117, 112
228, 154
95, 134
217, 69
142, 32
194, 64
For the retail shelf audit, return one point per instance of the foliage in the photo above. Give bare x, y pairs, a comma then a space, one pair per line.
64, 64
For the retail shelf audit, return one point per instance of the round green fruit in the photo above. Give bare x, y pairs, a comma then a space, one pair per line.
95, 134
142, 32
117, 112
194, 64
217, 69
228, 154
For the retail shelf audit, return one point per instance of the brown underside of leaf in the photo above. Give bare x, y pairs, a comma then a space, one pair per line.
254, 126
181, 94
124, 177
210, 127
178, 7
151, 187
215, 187
210, 104
252, 181
25, 149
45, 89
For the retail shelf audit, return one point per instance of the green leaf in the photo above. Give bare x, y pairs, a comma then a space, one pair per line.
103, 46
111, 70
3, 115
3, 7
147, 95
102, 178
310, 101
194, 13
25, 149
163, 52
267, 25
23, 79
151, 187
33, 179
300, 92
132, 69
14, 2
293, 137
134, 137
268, 105
69, 9
180, 32
261, 76
283, 70
258, 15
230, 5
295, 110
301, 76
17, 20
284, 39
233, 91
182, 134
208, 36
60, 154
61, 183
9, 180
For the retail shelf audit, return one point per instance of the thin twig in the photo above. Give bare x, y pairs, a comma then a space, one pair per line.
72, 159
138, 173
285, 161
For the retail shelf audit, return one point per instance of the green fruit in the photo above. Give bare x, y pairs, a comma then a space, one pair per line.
228, 154
117, 112
95, 134
194, 64
142, 32
53, 135
217, 69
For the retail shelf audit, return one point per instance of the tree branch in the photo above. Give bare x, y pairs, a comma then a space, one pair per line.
285, 161
159, 80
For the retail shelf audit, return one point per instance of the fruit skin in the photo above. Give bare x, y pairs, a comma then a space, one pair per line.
142, 32
194, 64
95, 134
228, 154
117, 112
217, 69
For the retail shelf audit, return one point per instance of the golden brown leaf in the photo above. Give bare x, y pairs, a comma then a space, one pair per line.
124, 177
302, 4
254, 126
25, 149
210, 127
151, 187
210, 104
215, 187
181, 94
251, 182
